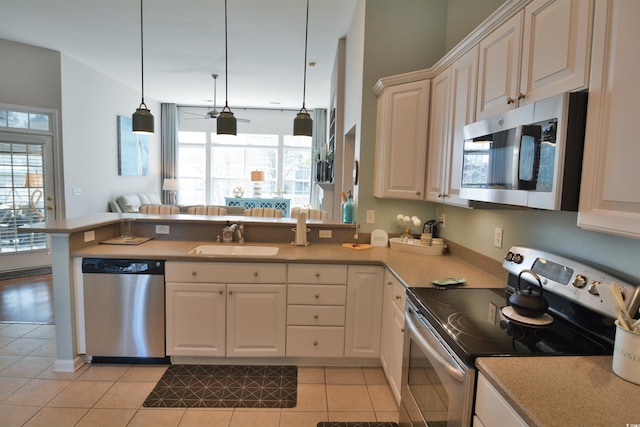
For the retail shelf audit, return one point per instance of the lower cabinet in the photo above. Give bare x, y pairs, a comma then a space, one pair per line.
364, 309
256, 320
392, 335
195, 319
492, 409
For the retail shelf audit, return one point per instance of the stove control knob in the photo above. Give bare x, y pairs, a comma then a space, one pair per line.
593, 288
517, 258
580, 281
509, 256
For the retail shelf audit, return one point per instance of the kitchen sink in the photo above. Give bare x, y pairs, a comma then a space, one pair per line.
234, 250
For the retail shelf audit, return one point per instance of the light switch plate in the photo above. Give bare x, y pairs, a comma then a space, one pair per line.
162, 229
89, 236
371, 216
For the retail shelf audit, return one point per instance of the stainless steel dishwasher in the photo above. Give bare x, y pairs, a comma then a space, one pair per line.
124, 308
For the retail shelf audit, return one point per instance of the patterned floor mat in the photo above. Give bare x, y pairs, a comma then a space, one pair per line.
221, 386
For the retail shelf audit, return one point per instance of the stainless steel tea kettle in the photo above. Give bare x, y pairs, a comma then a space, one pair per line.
431, 227
528, 301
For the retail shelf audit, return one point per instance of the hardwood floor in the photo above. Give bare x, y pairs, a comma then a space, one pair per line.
27, 300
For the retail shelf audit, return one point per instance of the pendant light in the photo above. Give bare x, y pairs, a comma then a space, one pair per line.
226, 123
303, 124
142, 119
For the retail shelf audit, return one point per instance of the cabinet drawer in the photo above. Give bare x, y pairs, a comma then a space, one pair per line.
315, 315
225, 272
317, 294
398, 293
315, 341
329, 274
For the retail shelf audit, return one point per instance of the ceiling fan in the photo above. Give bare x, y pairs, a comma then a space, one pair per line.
213, 113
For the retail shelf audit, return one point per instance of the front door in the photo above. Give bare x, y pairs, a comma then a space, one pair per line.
26, 194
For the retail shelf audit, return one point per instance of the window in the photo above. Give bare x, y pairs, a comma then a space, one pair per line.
210, 167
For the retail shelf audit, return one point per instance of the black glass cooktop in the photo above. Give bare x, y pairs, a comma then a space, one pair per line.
471, 322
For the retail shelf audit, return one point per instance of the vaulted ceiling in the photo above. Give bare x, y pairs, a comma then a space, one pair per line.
184, 44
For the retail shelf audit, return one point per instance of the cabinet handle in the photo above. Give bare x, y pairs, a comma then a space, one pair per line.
230, 292
255, 274
315, 343
398, 297
389, 283
317, 296
402, 330
521, 95
417, 193
315, 316
220, 291
510, 100
193, 273
318, 274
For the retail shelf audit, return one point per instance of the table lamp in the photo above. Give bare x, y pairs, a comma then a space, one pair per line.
171, 185
257, 177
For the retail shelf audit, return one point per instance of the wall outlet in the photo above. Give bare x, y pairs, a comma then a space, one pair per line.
325, 234
89, 236
77, 191
443, 221
371, 216
497, 237
162, 229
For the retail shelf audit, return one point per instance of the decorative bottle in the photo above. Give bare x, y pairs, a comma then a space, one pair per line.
347, 211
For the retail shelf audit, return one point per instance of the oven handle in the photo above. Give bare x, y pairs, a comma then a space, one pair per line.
453, 371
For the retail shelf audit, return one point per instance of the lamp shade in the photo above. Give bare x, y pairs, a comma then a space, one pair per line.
33, 180
257, 176
226, 123
171, 184
142, 120
302, 124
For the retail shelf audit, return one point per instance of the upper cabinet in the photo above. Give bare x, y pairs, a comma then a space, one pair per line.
453, 95
401, 139
609, 198
541, 51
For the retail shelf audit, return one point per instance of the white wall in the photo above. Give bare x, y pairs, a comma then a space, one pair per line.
91, 103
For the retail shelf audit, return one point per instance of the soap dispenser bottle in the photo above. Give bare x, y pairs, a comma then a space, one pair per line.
347, 211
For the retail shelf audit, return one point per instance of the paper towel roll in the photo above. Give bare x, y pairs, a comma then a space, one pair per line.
301, 228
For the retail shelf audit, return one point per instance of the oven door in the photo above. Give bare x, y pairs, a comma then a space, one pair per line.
437, 387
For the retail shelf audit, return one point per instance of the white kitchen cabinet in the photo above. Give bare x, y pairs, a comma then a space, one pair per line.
401, 140
225, 309
195, 319
491, 409
540, 52
364, 311
316, 301
256, 320
452, 107
392, 334
609, 197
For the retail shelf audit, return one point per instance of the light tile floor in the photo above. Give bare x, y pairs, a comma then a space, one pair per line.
31, 394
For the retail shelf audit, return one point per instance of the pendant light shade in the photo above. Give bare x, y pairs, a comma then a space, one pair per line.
142, 119
226, 123
303, 124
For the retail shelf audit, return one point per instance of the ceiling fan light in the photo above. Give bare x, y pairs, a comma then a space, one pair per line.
303, 124
226, 123
142, 120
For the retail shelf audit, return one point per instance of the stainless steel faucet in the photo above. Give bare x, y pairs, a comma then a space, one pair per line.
227, 233
240, 232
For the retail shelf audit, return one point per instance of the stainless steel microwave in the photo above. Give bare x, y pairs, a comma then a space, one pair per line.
530, 156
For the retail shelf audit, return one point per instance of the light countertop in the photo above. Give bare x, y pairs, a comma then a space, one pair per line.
564, 390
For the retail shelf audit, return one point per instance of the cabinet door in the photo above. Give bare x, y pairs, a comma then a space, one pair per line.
439, 131
492, 409
401, 141
392, 336
609, 197
555, 48
364, 311
256, 320
395, 354
499, 65
195, 321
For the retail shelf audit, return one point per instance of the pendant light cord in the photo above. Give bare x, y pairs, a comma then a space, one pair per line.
226, 61
142, 52
306, 38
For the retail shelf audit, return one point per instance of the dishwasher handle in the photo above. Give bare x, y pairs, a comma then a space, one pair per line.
123, 266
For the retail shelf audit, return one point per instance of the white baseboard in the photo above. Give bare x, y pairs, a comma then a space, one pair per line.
66, 365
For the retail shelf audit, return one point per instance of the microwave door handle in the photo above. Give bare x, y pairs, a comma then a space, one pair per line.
453, 371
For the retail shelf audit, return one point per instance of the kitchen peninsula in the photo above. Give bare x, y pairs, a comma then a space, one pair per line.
75, 238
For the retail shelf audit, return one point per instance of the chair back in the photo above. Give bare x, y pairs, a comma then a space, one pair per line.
159, 209
206, 210
264, 212
311, 213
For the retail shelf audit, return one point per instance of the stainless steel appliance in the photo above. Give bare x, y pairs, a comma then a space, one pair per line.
447, 329
124, 308
530, 156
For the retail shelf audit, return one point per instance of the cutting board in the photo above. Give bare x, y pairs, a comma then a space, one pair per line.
357, 246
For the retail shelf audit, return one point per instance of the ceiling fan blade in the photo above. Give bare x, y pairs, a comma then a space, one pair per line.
194, 114
243, 120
